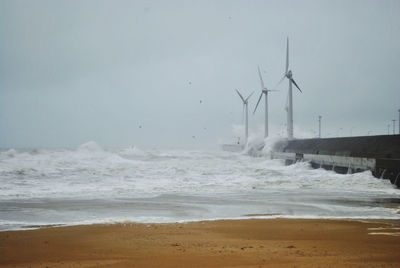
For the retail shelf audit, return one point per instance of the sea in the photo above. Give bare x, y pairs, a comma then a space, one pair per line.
90, 184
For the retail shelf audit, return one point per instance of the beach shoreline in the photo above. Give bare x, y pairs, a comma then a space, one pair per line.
220, 243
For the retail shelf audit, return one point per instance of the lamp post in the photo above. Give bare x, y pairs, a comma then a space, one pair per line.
319, 123
394, 121
399, 121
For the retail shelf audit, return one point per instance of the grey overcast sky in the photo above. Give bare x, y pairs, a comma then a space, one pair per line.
163, 73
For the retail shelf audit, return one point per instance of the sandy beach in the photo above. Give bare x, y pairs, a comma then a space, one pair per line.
224, 243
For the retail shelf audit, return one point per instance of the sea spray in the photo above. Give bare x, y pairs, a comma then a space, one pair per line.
90, 146
258, 147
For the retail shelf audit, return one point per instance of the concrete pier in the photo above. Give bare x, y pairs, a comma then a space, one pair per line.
380, 154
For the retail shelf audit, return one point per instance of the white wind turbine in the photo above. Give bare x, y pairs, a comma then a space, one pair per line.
288, 74
264, 90
246, 110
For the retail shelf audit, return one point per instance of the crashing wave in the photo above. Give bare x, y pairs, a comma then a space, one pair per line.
133, 152
257, 147
9, 153
90, 146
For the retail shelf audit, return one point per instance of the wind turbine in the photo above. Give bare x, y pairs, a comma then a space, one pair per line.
264, 90
246, 110
289, 75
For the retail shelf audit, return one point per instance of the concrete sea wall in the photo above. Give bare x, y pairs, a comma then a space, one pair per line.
380, 154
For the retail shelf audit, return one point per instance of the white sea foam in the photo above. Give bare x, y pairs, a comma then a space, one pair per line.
178, 185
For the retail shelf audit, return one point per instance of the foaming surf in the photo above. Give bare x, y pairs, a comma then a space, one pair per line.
91, 184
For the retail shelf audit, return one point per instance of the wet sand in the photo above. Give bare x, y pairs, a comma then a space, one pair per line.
225, 243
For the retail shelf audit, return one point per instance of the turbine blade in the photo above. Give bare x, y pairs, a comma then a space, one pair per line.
257, 103
296, 85
249, 96
287, 55
240, 95
280, 81
261, 80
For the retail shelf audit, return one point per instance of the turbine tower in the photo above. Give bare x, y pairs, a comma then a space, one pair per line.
264, 90
289, 75
246, 110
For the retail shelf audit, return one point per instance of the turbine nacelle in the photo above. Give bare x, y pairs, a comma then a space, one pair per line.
244, 100
264, 89
289, 108
288, 73
245, 111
